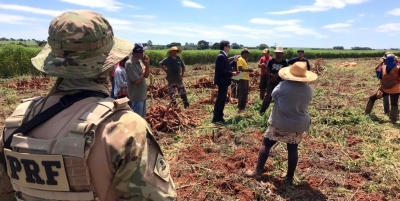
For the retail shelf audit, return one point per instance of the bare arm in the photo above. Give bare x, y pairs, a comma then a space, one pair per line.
147, 65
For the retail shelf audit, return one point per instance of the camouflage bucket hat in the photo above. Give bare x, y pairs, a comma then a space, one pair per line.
81, 44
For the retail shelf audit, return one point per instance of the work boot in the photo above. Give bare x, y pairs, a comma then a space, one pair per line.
386, 104
369, 107
394, 114
185, 101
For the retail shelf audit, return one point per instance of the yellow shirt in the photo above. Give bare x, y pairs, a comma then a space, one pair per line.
242, 62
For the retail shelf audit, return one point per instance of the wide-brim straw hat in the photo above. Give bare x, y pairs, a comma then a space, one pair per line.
297, 72
81, 44
174, 48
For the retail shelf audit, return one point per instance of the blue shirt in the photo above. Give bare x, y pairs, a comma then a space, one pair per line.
296, 59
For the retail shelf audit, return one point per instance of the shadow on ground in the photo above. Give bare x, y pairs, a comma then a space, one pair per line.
300, 192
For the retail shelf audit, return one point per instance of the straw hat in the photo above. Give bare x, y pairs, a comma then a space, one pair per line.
279, 49
265, 51
297, 72
80, 44
174, 48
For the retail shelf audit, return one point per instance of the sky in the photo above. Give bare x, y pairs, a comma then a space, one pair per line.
287, 23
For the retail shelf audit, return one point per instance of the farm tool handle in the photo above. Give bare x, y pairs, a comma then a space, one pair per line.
64, 103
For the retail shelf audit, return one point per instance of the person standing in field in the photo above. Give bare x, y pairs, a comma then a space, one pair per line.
274, 65
378, 69
244, 81
289, 119
112, 81
389, 86
222, 78
235, 84
174, 67
300, 57
137, 69
265, 73
121, 85
77, 143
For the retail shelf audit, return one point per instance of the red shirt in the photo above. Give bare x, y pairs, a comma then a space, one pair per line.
265, 60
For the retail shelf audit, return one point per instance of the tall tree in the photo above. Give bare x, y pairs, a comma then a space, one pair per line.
202, 44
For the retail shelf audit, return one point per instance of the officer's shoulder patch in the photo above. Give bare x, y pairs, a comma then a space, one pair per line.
157, 171
161, 168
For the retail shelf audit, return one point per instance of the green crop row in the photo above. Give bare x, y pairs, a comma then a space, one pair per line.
15, 59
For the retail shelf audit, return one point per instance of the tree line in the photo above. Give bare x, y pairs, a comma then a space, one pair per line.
200, 45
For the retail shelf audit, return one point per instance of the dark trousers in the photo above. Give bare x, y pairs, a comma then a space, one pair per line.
243, 94
220, 103
234, 89
394, 99
268, 98
386, 104
264, 81
112, 88
263, 155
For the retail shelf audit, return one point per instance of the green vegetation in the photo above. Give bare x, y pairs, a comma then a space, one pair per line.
15, 59
345, 156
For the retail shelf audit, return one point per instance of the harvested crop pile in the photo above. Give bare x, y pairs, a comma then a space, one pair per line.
37, 83
204, 83
213, 98
255, 73
318, 66
200, 68
155, 71
169, 119
346, 64
157, 92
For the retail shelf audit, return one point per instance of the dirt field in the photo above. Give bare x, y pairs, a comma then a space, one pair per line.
345, 156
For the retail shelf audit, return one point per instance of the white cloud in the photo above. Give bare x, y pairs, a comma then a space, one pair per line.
114, 21
191, 4
145, 17
29, 9
391, 27
298, 30
109, 5
337, 26
276, 32
361, 15
273, 22
320, 5
17, 19
395, 12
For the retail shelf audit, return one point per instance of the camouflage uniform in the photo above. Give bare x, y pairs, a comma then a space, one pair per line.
125, 161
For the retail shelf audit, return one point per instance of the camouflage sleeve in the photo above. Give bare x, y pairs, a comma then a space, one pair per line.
7, 193
142, 172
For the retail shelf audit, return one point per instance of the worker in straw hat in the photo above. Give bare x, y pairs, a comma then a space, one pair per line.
77, 143
289, 118
378, 70
389, 76
265, 73
174, 67
274, 66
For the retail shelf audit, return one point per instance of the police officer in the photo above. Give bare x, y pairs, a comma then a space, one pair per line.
77, 143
